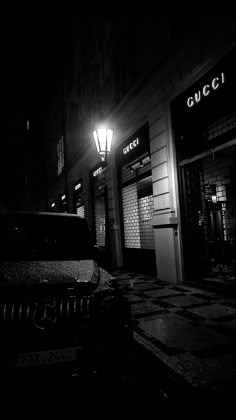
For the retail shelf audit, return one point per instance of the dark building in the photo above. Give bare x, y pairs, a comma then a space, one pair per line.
166, 200
25, 79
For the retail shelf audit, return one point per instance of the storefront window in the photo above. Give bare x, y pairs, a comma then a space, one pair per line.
79, 198
99, 193
136, 201
209, 216
131, 216
80, 211
137, 214
63, 204
100, 218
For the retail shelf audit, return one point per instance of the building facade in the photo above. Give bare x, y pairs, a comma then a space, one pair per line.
166, 201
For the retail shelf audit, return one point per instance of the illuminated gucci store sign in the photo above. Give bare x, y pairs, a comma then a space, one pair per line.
78, 186
131, 146
98, 171
134, 146
206, 90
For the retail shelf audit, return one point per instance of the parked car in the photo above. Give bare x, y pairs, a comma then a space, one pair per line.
61, 313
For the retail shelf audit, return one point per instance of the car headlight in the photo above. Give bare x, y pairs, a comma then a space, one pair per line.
109, 307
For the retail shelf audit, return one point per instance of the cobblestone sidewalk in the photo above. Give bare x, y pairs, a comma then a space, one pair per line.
190, 329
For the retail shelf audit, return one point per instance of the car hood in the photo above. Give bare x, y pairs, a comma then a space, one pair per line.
49, 272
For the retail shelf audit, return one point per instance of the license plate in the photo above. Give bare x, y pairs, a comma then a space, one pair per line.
47, 357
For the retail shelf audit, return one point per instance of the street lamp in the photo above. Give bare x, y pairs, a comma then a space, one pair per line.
103, 139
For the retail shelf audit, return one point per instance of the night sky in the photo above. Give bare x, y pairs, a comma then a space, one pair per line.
32, 59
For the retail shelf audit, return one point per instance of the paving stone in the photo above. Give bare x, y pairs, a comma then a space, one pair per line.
143, 307
164, 303
132, 281
189, 315
143, 286
190, 329
204, 296
213, 311
199, 290
163, 292
230, 304
185, 300
205, 371
121, 276
132, 298
175, 334
150, 317
180, 289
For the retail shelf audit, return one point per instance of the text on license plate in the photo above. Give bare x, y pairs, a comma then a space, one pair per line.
47, 357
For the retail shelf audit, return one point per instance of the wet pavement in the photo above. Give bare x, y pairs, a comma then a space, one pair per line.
189, 331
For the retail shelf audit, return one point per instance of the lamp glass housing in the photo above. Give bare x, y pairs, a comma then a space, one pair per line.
103, 140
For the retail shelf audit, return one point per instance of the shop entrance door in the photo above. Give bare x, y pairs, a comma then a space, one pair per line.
192, 222
208, 217
137, 210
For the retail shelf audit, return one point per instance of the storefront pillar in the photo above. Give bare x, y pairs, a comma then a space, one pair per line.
168, 258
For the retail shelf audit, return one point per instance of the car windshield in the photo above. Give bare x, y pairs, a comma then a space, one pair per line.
44, 237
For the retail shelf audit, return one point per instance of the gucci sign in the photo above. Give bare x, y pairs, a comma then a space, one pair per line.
131, 146
206, 90
98, 171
